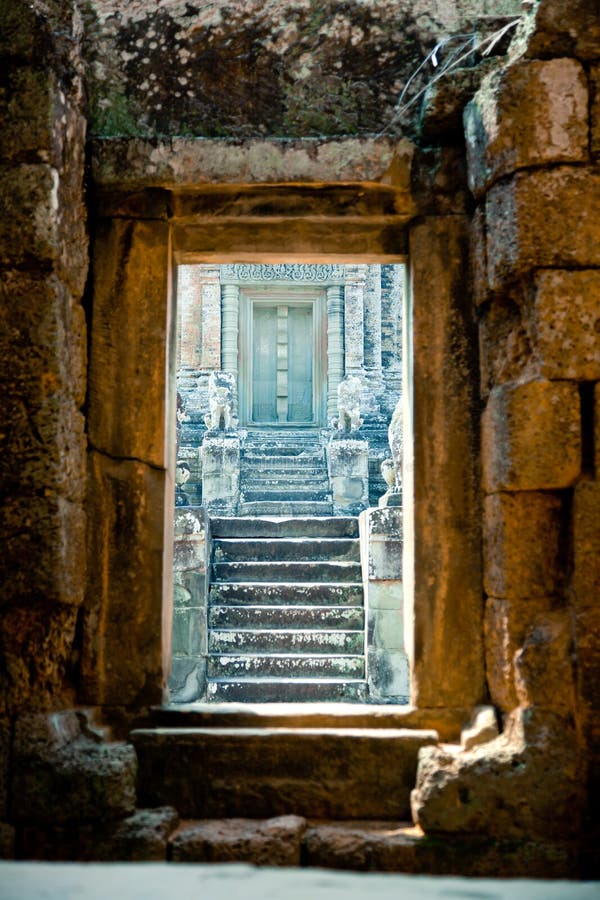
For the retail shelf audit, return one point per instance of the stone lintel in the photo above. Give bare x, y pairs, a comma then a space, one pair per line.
185, 162
315, 239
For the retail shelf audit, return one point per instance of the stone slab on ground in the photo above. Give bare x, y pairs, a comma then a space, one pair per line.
318, 772
270, 842
402, 847
22, 881
63, 774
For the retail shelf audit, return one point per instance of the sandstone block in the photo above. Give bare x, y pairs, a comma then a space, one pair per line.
524, 784
258, 772
531, 437
538, 219
565, 324
587, 655
482, 728
141, 837
53, 543
521, 545
187, 679
188, 637
36, 652
29, 228
448, 660
120, 664
544, 665
27, 110
398, 847
563, 28
585, 587
507, 624
504, 347
127, 375
528, 114
386, 629
61, 775
270, 842
595, 119
586, 545
388, 675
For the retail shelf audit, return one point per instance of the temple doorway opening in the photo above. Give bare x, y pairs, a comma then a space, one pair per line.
288, 499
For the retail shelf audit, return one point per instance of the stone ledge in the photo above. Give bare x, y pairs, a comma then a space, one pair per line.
185, 162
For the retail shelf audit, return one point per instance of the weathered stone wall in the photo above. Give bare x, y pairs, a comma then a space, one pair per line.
533, 141
238, 68
43, 266
532, 171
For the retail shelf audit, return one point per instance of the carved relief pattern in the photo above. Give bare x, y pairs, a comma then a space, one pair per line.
297, 272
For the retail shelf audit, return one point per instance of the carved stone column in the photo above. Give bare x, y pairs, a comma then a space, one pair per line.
372, 338
335, 345
372, 331
354, 299
230, 306
211, 318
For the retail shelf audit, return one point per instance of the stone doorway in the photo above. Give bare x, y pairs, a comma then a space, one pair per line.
288, 607
177, 218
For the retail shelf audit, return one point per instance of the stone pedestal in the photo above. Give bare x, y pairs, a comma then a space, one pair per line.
221, 472
348, 468
387, 662
191, 562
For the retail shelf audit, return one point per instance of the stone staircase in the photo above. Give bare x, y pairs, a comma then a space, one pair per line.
284, 473
286, 610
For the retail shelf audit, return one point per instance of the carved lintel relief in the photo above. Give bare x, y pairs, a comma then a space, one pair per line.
299, 273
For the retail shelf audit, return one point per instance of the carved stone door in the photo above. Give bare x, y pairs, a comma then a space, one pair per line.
282, 372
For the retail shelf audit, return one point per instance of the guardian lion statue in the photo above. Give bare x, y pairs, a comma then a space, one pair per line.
221, 386
348, 404
391, 469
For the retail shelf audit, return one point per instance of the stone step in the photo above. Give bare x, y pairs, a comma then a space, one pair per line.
288, 572
288, 691
294, 473
274, 640
284, 526
287, 665
320, 773
286, 549
286, 508
297, 457
285, 595
298, 460
448, 722
267, 493
301, 617
267, 481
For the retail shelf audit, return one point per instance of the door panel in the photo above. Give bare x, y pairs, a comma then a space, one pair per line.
300, 364
264, 364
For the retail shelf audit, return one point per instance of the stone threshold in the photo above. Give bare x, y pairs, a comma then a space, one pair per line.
448, 722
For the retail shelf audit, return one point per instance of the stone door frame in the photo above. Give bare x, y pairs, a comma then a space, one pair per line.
354, 200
